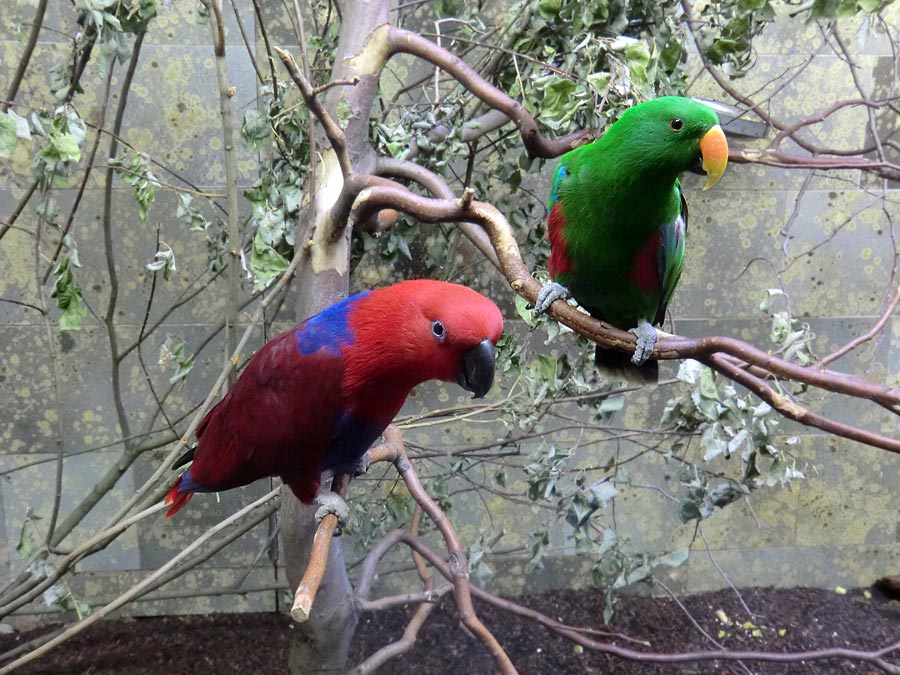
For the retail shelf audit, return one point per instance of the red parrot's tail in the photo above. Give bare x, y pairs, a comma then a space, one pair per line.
177, 499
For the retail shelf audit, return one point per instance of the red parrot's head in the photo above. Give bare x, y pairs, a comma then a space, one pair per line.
425, 330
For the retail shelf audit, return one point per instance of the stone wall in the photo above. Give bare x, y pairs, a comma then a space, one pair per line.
839, 526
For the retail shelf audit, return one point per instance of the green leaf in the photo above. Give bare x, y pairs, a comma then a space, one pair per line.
163, 260
689, 511
674, 558
637, 56
293, 198
549, 9
26, 545
522, 309
713, 442
66, 146
255, 128
265, 262
602, 493
68, 297
23, 131
343, 112
689, 371
708, 388
7, 136
611, 404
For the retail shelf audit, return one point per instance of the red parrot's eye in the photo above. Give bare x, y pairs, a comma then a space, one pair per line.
677, 124
437, 329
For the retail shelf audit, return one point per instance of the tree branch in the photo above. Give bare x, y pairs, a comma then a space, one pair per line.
334, 133
670, 347
538, 145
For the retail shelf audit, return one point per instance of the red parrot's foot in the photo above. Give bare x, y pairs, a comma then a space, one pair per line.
550, 293
331, 502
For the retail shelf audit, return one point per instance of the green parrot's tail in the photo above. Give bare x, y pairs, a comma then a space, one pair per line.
616, 366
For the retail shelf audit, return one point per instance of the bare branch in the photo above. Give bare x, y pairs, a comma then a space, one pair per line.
334, 133
397, 168
709, 349
403, 41
137, 589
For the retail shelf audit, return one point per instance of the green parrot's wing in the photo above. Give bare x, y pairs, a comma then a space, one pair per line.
671, 255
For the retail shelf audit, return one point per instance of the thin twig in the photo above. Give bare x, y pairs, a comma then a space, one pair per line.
137, 589
334, 133
25, 59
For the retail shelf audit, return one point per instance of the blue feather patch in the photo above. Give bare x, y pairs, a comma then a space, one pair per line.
329, 329
560, 173
188, 484
352, 438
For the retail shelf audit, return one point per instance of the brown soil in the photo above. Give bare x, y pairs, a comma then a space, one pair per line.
786, 620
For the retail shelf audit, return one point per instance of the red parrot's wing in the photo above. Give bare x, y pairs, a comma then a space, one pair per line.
278, 419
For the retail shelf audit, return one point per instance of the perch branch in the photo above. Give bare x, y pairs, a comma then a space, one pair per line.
306, 591
426, 600
856, 342
440, 210
397, 168
25, 59
232, 315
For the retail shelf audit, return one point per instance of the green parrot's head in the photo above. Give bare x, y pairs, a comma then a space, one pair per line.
675, 134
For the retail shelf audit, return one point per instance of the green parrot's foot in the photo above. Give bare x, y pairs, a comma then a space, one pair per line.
550, 293
647, 336
331, 502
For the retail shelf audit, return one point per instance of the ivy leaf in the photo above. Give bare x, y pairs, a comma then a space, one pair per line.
524, 312
293, 198
637, 56
66, 146
712, 442
689, 371
163, 260
195, 221
27, 545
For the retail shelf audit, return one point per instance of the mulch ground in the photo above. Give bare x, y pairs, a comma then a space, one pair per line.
799, 619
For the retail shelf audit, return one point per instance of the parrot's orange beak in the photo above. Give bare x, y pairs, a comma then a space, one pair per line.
714, 150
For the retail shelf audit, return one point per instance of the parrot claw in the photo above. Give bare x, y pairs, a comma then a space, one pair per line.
550, 293
331, 502
647, 336
363, 466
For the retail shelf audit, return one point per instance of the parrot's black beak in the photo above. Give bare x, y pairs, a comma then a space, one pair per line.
477, 374
697, 165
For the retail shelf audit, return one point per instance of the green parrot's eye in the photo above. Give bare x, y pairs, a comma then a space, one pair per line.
677, 124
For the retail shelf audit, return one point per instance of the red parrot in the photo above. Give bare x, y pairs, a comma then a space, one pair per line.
316, 397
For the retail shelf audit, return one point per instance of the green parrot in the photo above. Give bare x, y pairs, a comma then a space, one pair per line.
617, 220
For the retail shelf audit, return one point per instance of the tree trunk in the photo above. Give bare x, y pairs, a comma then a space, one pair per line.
322, 643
